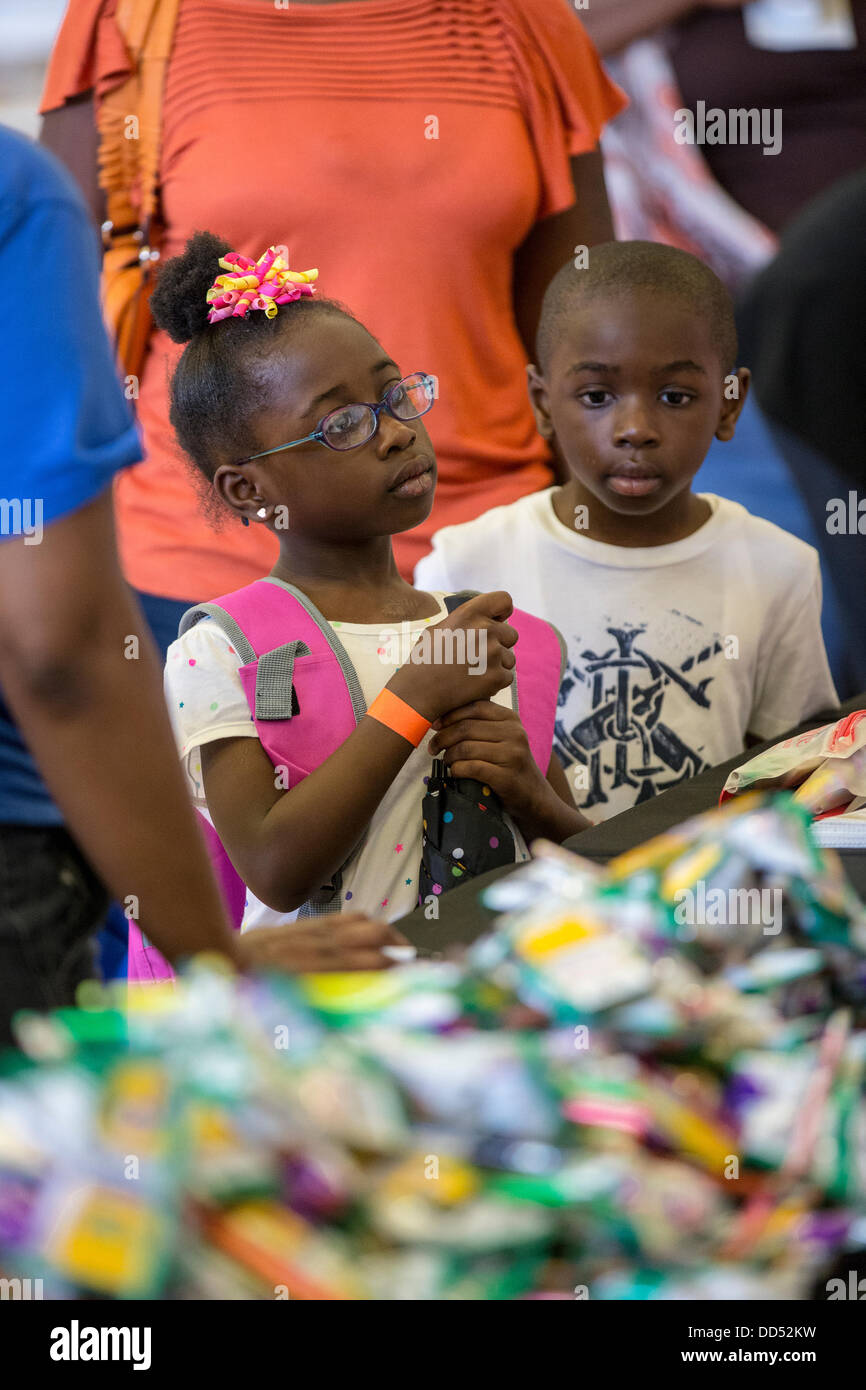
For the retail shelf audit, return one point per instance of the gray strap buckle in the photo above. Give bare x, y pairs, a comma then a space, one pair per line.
275, 694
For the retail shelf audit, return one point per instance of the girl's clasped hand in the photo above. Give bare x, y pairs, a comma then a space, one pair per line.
489, 743
478, 662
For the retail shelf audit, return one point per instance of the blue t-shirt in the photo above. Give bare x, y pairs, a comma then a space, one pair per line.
65, 427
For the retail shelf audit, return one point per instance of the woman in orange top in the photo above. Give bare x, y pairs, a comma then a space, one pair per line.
444, 148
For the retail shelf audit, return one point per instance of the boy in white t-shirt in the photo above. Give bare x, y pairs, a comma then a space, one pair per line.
692, 627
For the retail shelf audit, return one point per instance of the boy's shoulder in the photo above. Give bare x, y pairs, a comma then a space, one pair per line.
498, 526
777, 546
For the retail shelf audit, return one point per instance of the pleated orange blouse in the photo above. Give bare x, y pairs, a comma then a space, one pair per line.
406, 148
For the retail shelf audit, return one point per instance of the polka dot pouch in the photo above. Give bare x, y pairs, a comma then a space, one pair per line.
464, 832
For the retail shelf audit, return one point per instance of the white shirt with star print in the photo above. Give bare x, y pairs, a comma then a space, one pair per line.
206, 702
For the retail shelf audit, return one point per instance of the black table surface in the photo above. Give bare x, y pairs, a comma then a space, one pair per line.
463, 917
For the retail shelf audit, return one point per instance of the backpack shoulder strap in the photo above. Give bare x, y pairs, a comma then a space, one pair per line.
256, 620
540, 654
193, 616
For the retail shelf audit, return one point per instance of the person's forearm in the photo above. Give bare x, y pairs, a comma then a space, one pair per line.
99, 731
553, 241
70, 133
551, 819
309, 833
83, 683
612, 24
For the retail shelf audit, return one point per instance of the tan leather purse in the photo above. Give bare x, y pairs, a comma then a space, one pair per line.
130, 127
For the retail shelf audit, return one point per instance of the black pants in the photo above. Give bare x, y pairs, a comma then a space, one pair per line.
51, 907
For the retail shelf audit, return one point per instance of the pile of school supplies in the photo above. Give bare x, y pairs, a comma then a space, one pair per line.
645, 1082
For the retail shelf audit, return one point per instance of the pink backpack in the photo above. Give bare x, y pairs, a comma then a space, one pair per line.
305, 698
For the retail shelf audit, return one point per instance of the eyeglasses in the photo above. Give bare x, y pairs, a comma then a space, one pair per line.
350, 426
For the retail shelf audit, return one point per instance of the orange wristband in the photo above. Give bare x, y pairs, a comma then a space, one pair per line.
395, 714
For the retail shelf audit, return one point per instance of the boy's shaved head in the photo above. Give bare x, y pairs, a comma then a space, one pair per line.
617, 267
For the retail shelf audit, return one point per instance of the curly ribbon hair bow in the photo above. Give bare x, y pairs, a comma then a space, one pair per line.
261, 284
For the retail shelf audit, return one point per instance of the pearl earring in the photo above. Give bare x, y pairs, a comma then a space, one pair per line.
262, 512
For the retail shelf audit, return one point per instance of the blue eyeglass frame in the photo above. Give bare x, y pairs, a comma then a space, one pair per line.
376, 406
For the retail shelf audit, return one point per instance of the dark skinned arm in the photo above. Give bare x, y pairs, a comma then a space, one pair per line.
554, 815
552, 242
612, 24
97, 726
566, 820
70, 133
287, 844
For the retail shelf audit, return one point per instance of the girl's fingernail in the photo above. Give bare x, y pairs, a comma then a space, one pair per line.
399, 953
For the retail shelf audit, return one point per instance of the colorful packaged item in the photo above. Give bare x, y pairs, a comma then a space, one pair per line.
793, 762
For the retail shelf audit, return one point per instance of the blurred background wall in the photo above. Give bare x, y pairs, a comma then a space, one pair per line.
27, 30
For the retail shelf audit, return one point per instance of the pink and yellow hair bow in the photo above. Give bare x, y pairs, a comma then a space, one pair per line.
261, 284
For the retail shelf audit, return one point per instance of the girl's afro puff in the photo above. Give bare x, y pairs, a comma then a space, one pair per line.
178, 302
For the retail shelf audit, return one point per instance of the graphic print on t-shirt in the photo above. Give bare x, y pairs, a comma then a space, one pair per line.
627, 710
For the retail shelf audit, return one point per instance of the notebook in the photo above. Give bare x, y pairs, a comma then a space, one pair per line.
842, 832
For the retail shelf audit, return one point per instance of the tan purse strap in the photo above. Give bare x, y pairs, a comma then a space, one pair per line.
130, 116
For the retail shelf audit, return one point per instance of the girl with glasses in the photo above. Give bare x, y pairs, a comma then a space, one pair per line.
298, 421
